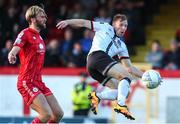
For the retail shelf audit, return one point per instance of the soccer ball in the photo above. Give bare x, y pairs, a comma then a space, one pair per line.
151, 79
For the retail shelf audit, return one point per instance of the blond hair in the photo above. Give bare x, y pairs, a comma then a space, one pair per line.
32, 12
119, 16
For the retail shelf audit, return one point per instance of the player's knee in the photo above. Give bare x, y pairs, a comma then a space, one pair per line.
120, 77
58, 116
129, 70
61, 115
45, 116
125, 76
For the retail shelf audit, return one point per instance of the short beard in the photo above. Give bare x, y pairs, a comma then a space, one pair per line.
41, 27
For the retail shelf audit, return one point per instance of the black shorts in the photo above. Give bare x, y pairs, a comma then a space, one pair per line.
98, 64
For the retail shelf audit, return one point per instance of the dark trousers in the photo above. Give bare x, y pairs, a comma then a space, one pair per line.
81, 112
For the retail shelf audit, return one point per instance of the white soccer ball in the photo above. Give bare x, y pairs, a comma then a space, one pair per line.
151, 79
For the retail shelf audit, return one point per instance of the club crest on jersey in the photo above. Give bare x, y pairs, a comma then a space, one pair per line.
41, 46
35, 89
34, 37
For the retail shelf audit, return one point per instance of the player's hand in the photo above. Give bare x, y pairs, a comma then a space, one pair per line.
11, 58
61, 24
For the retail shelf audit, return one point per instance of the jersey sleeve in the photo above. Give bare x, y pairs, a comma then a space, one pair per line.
20, 40
96, 26
124, 53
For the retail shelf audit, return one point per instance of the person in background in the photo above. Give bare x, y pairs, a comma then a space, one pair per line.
177, 36
155, 56
103, 16
66, 46
86, 41
76, 58
81, 103
171, 60
4, 53
52, 54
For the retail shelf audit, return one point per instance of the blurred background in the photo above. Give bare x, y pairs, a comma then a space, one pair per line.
152, 38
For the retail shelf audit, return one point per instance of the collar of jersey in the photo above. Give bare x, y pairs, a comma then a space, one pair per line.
121, 37
115, 35
32, 30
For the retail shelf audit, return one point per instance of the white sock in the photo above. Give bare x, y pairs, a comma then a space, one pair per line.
108, 94
123, 90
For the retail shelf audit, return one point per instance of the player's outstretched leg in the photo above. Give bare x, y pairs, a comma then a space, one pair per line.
123, 110
94, 102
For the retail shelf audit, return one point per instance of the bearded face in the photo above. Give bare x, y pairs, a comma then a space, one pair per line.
120, 27
40, 20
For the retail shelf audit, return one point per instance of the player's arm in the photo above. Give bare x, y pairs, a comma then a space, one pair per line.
131, 69
74, 23
12, 54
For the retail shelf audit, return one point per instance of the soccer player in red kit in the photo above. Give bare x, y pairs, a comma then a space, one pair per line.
31, 49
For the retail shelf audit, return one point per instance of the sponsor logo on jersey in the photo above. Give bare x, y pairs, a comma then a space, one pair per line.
24, 81
27, 89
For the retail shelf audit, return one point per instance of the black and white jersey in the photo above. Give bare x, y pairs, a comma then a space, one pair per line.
106, 40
